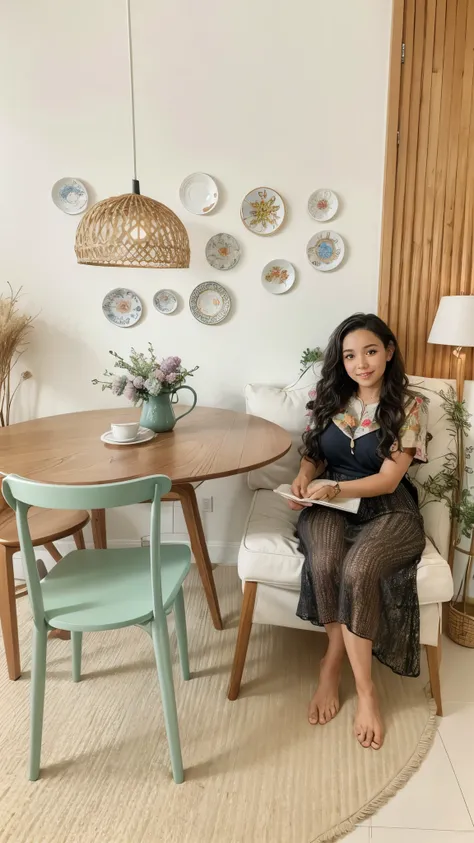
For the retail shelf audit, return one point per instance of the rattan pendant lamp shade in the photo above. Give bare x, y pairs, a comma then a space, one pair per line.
132, 230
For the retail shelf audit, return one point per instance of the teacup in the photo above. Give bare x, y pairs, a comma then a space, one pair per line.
125, 432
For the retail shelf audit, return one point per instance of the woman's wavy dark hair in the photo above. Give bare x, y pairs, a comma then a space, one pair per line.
335, 387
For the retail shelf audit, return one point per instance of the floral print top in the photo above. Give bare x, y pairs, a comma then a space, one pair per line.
358, 419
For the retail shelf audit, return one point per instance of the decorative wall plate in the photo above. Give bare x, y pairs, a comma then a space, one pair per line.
70, 196
278, 276
165, 301
323, 205
263, 211
210, 303
122, 307
199, 193
223, 251
325, 250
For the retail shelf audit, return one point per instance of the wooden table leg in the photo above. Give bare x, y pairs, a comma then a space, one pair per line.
99, 531
187, 496
8, 615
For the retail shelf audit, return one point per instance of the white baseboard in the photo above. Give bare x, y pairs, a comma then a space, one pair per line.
221, 553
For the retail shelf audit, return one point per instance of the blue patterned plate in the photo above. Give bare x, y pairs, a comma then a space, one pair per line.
122, 307
70, 196
165, 301
325, 250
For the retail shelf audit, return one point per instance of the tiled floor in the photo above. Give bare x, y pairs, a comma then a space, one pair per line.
437, 804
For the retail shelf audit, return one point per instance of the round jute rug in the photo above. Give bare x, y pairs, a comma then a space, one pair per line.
256, 771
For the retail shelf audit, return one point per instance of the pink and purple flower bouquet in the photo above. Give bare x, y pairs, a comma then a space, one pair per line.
145, 375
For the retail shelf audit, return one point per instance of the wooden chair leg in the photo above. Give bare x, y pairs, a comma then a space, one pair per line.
99, 530
434, 657
187, 496
79, 540
8, 615
245, 626
53, 551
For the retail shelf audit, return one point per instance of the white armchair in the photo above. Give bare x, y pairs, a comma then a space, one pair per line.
269, 562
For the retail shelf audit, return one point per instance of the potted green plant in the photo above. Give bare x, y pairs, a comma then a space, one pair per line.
451, 485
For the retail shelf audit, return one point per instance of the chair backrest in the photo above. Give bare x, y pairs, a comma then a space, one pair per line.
21, 494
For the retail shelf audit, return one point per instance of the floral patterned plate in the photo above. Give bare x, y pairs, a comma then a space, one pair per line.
325, 250
323, 205
70, 196
199, 193
223, 251
263, 211
210, 303
165, 301
278, 277
122, 307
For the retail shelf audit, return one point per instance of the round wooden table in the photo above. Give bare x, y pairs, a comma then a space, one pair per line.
208, 443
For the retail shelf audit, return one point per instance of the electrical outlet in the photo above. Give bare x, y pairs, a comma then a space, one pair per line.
208, 505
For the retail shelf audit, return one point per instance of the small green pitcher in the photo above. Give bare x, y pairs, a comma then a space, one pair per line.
158, 414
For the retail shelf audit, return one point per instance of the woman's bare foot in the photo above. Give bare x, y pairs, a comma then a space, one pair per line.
64, 634
325, 703
368, 725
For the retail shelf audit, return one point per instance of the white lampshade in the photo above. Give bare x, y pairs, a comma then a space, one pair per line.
454, 322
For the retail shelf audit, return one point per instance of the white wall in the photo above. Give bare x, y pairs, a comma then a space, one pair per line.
290, 95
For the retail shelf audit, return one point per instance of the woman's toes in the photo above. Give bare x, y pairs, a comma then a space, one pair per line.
313, 716
360, 734
333, 710
322, 718
377, 739
369, 736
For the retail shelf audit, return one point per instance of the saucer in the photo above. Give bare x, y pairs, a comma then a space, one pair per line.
143, 435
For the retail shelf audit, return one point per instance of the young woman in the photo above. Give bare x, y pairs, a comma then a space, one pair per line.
359, 573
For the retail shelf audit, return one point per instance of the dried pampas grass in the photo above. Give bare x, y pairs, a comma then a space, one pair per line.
14, 327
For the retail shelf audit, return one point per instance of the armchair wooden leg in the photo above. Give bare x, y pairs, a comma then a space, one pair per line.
8, 615
245, 626
434, 658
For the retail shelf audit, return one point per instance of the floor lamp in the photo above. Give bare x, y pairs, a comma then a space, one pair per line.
454, 325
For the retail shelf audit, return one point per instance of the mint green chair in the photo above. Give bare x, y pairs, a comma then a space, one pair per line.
92, 590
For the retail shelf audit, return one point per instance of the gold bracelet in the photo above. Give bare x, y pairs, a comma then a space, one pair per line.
337, 490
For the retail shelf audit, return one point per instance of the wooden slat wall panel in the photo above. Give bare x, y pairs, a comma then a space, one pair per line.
427, 236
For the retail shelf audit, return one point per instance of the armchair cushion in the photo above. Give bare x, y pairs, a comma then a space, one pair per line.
269, 552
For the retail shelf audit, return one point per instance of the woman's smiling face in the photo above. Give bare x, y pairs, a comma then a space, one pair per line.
365, 357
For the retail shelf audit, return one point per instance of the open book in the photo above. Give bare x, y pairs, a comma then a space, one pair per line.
346, 504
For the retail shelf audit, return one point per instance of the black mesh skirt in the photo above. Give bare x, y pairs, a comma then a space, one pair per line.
360, 570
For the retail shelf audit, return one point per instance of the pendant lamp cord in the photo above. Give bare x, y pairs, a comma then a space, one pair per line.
136, 184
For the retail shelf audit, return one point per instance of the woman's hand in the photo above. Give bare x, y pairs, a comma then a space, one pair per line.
323, 492
299, 488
